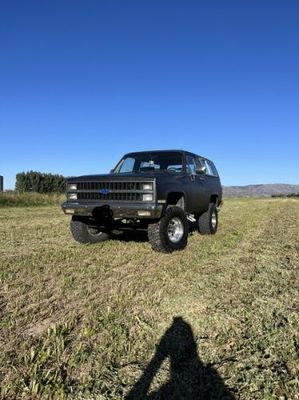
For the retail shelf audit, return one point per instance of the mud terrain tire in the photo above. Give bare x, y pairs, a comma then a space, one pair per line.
84, 233
170, 233
208, 221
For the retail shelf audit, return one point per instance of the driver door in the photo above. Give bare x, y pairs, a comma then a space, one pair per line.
197, 193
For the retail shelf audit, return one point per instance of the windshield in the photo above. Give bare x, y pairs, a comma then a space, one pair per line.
147, 162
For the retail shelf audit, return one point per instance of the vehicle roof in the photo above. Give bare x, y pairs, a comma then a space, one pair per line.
165, 151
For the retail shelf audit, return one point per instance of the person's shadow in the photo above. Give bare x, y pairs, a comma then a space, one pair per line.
189, 378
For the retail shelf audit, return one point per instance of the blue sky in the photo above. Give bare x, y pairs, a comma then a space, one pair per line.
83, 82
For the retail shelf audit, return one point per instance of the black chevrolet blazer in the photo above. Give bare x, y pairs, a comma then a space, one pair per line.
158, 191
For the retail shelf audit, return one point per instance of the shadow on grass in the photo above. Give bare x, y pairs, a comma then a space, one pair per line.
189, 378
142, 236
131, 236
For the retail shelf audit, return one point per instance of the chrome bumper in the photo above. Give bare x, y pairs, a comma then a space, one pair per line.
119, 210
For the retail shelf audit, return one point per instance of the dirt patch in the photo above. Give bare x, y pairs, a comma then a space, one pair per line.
39, 327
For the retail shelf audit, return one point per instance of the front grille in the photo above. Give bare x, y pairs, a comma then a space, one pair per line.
109, 185
116, 191
110, 196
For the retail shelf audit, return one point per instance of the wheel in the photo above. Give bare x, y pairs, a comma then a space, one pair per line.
170, 233
208, 221
84, 233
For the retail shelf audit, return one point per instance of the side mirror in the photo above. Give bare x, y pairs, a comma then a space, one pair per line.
201, 170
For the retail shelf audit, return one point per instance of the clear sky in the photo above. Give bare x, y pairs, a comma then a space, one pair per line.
83, 82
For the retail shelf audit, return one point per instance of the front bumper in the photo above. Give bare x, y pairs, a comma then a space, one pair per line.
118, 209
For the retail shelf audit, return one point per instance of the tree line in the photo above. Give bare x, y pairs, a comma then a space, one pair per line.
39, 182
286, 195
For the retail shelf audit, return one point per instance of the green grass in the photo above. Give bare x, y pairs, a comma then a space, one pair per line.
14, 199
83, 321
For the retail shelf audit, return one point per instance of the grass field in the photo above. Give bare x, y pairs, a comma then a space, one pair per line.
218, 320
15, 199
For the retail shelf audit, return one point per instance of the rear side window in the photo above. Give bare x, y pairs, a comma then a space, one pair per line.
210, 167
213, 168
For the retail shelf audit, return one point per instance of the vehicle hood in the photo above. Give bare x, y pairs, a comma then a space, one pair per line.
119, 177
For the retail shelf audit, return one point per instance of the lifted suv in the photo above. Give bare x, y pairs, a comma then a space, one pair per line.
157, 191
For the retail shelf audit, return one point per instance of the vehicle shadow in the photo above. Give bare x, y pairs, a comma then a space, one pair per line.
131, 236
142, 236
189, 378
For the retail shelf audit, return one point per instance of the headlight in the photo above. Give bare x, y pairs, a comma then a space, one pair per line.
72, 196
147, 197
72, 186
147, 186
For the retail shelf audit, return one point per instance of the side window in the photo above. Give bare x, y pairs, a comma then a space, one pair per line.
127, 165
190, 165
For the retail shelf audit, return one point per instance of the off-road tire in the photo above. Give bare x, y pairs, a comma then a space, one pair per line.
82, 233
158, 232
208, 221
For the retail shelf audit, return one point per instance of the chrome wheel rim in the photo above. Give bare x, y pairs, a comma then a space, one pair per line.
175, 230
214, 220
93, 231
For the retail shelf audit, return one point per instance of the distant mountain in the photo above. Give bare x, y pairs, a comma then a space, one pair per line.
260, 190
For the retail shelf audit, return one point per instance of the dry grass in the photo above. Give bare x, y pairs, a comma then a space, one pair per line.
14, 199
83, 322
